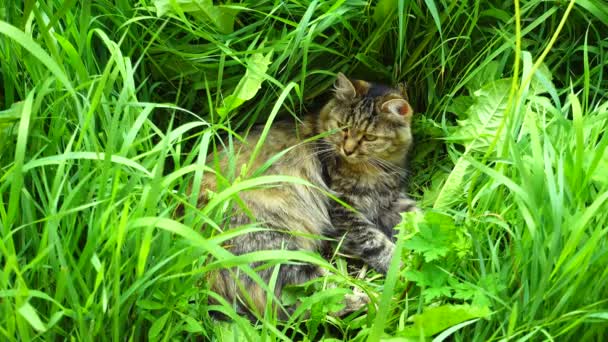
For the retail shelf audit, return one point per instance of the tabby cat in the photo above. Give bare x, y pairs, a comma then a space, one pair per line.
361, 161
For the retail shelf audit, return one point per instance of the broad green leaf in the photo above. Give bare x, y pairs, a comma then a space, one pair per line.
460, 106
446, 333
221, 17
476, 132
452, 187
31, 316
486, 74
248, 86
484, 117
436, 319
484, 112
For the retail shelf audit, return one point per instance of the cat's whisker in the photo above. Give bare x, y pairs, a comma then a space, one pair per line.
389, 166
311, 155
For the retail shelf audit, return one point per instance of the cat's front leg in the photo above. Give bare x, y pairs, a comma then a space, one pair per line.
359, 236
405, 204
392, 216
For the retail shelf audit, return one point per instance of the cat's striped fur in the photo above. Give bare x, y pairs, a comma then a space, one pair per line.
362, 163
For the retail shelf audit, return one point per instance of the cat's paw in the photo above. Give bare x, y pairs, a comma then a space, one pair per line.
406, 204
352, 302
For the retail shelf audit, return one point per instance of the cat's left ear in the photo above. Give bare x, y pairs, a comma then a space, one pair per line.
398, 107
344, 88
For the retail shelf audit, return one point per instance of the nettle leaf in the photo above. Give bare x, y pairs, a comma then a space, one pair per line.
478, 294
292, 293
436, 293
433, 237
330, 300
430, 242
462, 244
220, 17
248, 86
436, 319
464, 291
429, 275
432, 279
491, 285
312, 294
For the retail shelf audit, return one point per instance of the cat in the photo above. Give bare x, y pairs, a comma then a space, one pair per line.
361, 160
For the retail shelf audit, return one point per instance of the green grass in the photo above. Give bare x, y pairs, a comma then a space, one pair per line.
108, 111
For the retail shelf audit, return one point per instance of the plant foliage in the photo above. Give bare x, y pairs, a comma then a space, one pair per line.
109, 110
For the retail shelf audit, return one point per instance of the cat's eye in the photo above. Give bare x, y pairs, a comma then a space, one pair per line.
369, 137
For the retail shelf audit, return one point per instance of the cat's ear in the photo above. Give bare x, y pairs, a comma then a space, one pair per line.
344, 88
347, 90
398, 107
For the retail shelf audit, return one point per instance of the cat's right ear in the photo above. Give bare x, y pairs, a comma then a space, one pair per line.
344, 88
397, 107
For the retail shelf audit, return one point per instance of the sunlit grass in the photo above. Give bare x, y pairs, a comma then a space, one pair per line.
108, 112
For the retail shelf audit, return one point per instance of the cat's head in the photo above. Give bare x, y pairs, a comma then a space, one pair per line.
372, 121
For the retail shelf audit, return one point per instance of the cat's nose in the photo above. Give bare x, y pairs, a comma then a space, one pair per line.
349, 146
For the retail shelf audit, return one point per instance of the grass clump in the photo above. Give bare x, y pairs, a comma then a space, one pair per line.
108, 110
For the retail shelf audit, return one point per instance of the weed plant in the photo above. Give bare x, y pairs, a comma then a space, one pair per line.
109, 109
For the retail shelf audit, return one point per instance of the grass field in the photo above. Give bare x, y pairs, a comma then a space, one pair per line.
108, 110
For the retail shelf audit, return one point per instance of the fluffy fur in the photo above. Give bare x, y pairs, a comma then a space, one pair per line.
362, 162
